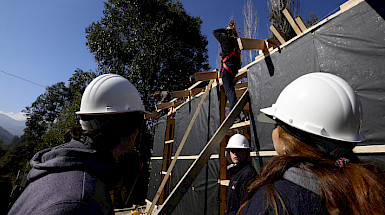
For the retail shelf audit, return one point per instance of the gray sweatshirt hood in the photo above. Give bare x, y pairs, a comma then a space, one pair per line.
304, 178
71, 156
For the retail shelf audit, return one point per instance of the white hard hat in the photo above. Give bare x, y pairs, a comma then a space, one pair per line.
322, 104
110, 94
238, 141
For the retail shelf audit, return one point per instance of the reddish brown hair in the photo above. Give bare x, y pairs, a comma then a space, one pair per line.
357, 188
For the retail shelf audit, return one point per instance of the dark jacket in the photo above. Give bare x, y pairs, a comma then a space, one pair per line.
299, 190
228, 44
241, 175
67, 179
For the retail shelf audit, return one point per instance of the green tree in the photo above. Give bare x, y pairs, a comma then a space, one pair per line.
46, 116
153, 43
312, 19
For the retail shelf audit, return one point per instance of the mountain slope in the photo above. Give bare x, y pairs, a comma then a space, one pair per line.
5, 135
14, 127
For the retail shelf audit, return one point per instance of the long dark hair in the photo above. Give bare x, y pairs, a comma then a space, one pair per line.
356, 188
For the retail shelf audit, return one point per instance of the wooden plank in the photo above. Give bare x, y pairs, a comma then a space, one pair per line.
180, 93
300, 23
186, 93
349, 4
241, 74
239, 92
195, 91
167, 152
369, 149
162, 106
251, 44
241, 125
184, 184
195, 85
151, 115
263, 154
224, 183
241, 85
165, 179
205, 76
223, 172
277, 34
291, 21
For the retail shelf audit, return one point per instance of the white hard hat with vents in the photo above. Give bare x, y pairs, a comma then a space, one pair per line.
238, 141
322, 104
110, 94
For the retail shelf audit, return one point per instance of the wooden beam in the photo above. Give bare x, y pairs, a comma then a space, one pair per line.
194, 85
291, 21
205, 76
151, 115
239, 92
241, 85
251, 44
369, 149
241, 125
241, 74
177, 153
277, 34
186, 93
167, 153
180, 93
223, 172
162, 106
349, 4
300, 23
184, 184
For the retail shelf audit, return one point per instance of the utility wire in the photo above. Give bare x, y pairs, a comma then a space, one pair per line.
37, 84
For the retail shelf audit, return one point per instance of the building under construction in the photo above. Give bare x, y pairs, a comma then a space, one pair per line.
188, 164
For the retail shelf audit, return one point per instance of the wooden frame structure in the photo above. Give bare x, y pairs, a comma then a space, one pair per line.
180, 97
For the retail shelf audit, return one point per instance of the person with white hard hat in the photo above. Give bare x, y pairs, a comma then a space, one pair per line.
318, 119
241, 172
75, 178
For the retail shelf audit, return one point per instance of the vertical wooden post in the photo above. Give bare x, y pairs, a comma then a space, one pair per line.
222, 157
167, 153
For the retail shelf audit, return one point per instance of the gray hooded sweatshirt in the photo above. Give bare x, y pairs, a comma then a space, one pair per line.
67, 179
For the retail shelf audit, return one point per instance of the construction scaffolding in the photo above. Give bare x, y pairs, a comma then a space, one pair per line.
188, 166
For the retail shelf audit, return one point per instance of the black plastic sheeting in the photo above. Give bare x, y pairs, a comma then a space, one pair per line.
205, 124
159, 137
203, 196
352, 46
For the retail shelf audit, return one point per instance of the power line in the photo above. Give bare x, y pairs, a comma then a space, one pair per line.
37, 84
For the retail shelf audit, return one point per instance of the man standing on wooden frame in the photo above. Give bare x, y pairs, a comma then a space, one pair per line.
231, 61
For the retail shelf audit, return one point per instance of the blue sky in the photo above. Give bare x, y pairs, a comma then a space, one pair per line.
43, 41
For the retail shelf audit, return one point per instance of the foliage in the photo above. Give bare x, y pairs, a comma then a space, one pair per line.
3, 148
153, 43
312, 19
47, 120
279, 20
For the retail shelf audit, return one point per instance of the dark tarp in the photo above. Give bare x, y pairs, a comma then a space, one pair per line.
351, 45
159, 137
203, 196
204, 127
157, 151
